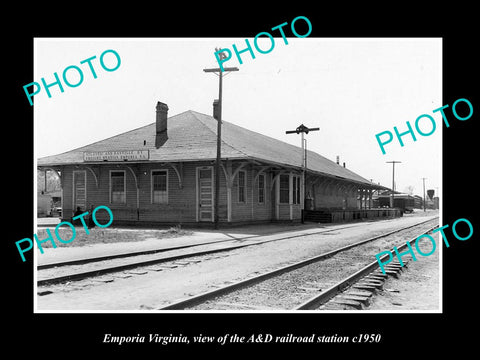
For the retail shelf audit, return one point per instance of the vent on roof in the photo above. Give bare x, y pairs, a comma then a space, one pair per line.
161, 124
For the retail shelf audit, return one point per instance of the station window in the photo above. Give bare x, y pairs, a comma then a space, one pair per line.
160, 187
242, 186
117, 187
284, 189
261, 188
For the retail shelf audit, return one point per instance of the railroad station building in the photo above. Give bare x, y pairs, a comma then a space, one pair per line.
163, 173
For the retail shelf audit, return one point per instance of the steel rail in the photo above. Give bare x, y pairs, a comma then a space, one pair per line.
203, 297
123, 255
160, 250
111, 269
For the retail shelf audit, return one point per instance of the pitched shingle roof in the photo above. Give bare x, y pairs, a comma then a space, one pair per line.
192, 136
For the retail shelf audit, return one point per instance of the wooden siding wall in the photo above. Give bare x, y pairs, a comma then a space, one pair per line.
181, 202
332, 197
182, 205
251, 209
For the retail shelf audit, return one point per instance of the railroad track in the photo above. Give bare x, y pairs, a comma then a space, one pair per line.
82, 261
61, 272
355, 292
290, 287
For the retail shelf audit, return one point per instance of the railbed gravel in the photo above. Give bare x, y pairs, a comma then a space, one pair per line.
288, 290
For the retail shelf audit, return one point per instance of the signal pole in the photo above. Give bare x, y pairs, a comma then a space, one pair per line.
393, 181
218, 72
302, 129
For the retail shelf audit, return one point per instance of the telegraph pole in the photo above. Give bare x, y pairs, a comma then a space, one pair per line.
424, 194
302, 129
219, 73
393, 181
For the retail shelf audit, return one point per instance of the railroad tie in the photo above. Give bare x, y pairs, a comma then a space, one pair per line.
181, 262
397, 263
137, 272
122, 275
394, 273
154, 268
394, 266
103, 279
364, 286
365, 300
360, 293
352, 303
168, 266
375, 283
334, 306
379, 277
45, 292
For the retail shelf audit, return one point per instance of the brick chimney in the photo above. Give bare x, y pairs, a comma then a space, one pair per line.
215, 109
161, 124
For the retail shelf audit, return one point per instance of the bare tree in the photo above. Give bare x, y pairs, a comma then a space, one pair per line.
53, 181
409, 190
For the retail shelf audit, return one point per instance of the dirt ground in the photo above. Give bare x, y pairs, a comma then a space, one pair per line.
417, 288
98, 235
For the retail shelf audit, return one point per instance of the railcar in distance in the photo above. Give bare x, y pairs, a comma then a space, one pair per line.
404, 202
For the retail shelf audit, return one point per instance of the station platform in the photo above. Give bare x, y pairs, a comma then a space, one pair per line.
112, 241
335, 216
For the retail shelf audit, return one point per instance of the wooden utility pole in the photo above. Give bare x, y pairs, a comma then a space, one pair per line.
424, 204
219, 73
393, 181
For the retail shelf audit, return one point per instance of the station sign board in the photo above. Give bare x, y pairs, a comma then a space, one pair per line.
119, 155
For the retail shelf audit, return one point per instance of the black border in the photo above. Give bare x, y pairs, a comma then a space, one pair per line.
66, 334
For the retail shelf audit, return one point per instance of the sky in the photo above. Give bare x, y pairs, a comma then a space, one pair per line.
351, 88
